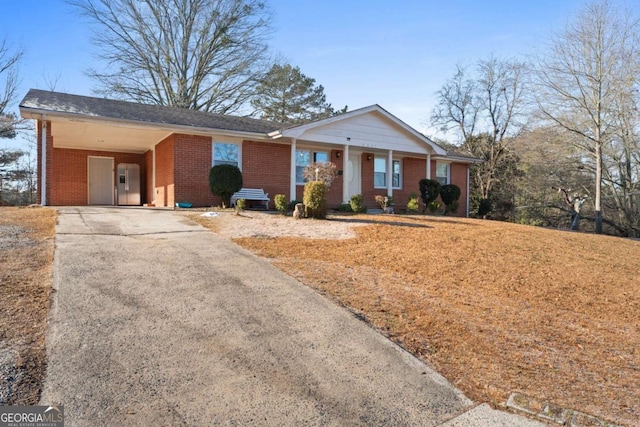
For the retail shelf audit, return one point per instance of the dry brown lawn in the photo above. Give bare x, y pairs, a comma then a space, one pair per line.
495, 307
26, 254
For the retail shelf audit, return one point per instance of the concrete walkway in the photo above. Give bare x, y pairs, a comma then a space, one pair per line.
157, 321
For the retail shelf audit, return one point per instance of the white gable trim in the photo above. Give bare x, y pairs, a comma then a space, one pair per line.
298, 131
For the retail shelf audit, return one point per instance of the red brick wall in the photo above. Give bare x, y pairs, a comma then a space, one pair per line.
164, 173
192, 162
266, 165
68, 173
458, 174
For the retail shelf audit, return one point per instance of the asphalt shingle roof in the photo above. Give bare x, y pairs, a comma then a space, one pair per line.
131, 111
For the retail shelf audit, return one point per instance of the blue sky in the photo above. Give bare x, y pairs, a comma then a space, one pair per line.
393, 53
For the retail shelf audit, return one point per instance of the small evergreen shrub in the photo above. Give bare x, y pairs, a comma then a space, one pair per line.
429, 190
434, 206
315, 199
450, 194
241, 204
357, 203
484, 208
413, 205
280, 201
224, 180
344, 207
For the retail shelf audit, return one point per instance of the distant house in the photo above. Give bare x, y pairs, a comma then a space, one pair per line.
93, 146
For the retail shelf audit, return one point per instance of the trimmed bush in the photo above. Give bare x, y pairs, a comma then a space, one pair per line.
413, 205
280, 201
315, 200
224, 180
450, 194
240, 205
434, 206
429, 190
344, 207
357, 203
484, 208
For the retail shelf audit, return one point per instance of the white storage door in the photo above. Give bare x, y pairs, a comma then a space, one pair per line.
100, 180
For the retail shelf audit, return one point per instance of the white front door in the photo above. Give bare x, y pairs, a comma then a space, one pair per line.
100, 180
353, 175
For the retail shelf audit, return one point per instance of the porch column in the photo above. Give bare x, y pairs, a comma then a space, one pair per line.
428, 166
43, 162
345, 175
467, 213
292, 180
390, 174
153, 175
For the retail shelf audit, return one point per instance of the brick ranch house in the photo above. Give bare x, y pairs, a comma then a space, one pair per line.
84, 141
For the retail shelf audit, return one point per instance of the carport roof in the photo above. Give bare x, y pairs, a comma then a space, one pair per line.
38, 102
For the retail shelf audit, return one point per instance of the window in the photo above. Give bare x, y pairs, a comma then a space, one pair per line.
442, 173
225, 153
380, 173
304, 158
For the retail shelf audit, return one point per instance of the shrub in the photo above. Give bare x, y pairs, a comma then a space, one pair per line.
240, 205
450, 194
357, 203
280, 201
315, 199
413, 205
434, 205
429, 190
484, 208
344, 207
224, 180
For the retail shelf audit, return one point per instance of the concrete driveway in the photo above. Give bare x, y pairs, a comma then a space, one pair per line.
157, 321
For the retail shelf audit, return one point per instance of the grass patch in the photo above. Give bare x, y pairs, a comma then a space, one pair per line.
494, 307
26, 255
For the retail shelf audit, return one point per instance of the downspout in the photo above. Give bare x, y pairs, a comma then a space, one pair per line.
428, 166
292, 180
468, 191
43, 162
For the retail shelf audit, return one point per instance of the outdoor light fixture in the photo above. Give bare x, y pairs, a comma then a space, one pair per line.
369, 157
337, 154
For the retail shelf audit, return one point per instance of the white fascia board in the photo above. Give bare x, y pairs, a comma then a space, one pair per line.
298, 131
33, 113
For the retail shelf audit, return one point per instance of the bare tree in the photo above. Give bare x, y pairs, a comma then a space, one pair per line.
485, 108
9, 60
589, 73
199, 54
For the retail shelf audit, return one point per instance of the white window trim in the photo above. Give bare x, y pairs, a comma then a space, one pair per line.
395, 159
213, 151
448, 170
312, 152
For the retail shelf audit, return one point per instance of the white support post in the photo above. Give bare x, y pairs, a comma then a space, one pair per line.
468, 178
43, 162
345, 175
428, 166
292, 180
153, 175
390, 174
